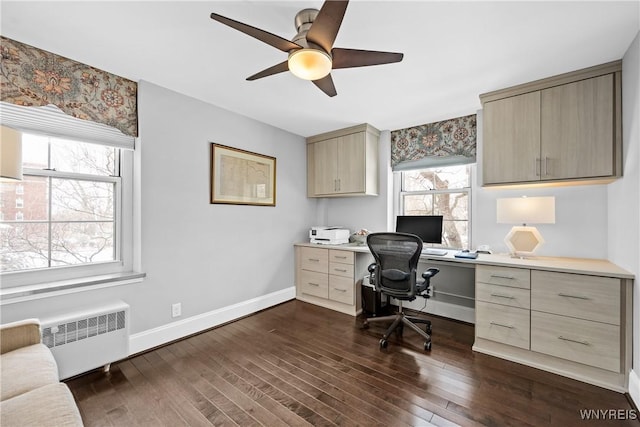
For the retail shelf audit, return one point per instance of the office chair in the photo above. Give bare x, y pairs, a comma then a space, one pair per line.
394, 274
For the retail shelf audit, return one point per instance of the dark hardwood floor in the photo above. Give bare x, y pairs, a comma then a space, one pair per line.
298, 364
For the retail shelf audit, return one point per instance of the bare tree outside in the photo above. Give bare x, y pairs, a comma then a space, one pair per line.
64, 215
441, 191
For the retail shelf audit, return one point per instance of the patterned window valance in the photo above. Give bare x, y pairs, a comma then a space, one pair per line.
33, 77
435, 144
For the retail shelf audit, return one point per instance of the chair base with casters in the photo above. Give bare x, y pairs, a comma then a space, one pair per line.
398, 321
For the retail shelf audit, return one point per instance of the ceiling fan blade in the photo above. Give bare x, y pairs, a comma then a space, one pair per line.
264, 36
279, 68
325, 27
348, 58
325, 84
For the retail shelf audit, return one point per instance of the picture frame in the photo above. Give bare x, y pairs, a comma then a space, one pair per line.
240, 177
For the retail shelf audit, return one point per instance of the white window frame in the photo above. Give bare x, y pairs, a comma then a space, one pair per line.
123, 198
400, 193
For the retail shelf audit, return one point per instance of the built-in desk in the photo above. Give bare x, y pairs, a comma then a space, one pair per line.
569, 316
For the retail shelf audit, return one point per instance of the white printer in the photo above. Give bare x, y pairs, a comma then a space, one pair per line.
331, 235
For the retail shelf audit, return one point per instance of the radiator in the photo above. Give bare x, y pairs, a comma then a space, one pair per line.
85, 340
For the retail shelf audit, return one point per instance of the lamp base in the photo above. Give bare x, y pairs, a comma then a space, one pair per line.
523, 241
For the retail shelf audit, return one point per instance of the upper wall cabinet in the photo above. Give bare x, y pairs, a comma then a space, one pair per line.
343, 162
564, 128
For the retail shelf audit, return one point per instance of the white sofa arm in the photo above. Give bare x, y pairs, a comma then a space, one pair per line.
19, 334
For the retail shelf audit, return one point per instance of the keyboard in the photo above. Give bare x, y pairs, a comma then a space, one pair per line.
431, 251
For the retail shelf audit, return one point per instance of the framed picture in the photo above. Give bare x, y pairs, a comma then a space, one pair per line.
240, 177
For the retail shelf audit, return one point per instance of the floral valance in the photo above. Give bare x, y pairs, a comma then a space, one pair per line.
447, 142
34, 77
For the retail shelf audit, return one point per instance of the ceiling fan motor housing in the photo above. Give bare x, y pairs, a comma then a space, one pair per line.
303, 21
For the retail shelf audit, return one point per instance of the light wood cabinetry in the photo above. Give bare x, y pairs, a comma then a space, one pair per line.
343, 162
563, 128
576, 325
327, 277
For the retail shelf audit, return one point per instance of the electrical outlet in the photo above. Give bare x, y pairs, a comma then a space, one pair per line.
176, 309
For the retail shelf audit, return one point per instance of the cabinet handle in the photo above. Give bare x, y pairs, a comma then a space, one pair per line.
313, 259
339, 290
575, 341
546, 166
339, 184
502, 296
313, 284
340, 256
499, 276
537, 165
340, 269
501, 325
573, 296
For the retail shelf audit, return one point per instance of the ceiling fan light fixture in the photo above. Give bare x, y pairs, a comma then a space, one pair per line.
309, 64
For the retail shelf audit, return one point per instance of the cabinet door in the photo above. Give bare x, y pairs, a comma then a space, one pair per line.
326, 168
578, 129
351, 163
511, 139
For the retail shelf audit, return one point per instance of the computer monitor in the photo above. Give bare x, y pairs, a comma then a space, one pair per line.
428, 228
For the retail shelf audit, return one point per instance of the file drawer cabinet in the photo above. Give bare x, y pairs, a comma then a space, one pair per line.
329, 277
572, 324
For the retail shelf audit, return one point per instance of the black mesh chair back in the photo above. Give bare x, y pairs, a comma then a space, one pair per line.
396, 256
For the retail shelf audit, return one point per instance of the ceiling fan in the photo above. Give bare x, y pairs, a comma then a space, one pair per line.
311, 52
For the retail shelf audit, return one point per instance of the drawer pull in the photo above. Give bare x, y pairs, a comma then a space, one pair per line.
575, 341
502, 296
313, 284
573, 296
314, 260
340, 269
503, 326
339, 290
500, 276
340, 256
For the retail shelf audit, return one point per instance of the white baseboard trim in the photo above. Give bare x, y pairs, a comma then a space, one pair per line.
151, 338
634, 387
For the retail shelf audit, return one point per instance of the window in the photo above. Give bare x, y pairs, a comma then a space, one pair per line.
71, 194
442, 191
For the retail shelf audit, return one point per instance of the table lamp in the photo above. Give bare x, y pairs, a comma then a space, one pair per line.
525, 240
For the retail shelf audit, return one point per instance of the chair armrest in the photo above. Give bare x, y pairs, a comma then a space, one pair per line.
430, 273
19, 334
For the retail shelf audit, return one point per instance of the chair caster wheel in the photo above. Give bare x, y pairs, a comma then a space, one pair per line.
427, 346
383, 343
365, 325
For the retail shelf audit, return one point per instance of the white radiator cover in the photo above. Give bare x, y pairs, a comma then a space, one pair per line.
84, 340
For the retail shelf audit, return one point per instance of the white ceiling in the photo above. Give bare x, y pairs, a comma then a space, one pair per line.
453, 51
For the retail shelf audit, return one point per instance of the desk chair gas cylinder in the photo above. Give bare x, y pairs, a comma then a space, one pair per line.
394, 274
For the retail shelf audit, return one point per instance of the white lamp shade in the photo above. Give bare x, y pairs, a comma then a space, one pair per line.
526, 210
10, 154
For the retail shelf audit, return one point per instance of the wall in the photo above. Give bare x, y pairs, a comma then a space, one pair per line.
207, 257
624, 198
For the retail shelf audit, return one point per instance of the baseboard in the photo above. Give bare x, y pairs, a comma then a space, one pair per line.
163, 334
634, 387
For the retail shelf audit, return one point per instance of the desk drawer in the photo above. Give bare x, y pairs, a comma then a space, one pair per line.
508, 325
344, 257
344, 270
576, 295
505, 295
314, 259
505, 276
583, 341
341, 289
314, 283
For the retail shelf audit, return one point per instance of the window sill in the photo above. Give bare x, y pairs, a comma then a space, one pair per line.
49, 289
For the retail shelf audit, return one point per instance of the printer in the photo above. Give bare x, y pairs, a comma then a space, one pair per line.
331, 235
